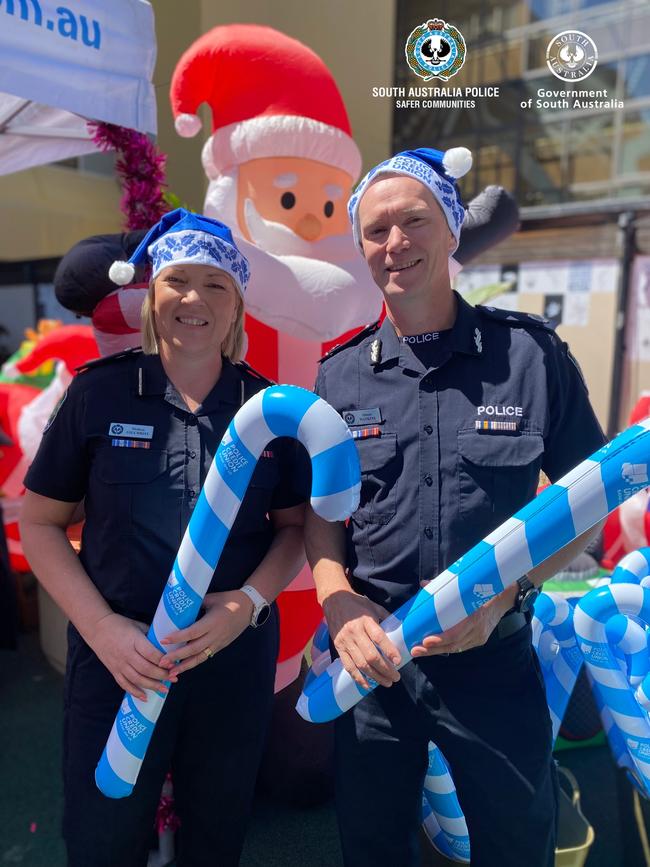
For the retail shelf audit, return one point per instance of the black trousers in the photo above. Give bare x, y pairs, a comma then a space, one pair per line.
486, 710
210, 733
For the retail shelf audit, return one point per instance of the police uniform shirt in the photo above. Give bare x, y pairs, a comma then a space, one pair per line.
451, 448
124, 440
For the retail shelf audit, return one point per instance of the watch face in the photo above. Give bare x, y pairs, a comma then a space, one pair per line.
528, 599
262, 615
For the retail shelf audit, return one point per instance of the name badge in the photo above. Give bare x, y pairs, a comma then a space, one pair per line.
362, 416
137, 431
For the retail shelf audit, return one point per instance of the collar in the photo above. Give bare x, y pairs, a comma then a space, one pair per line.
151, 379
465, 338
467, 334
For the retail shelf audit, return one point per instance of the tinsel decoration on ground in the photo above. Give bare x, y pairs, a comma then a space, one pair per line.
141, 169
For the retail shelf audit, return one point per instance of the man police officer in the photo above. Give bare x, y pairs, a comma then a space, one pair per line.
455, 410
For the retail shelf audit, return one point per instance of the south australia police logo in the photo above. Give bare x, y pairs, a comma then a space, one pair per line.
571, 55
435, 49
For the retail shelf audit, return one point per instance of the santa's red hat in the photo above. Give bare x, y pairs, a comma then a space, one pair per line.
270, 96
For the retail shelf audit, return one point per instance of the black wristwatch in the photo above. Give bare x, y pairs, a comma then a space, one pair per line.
526, 595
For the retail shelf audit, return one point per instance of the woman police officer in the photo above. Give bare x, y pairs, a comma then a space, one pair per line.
133, 439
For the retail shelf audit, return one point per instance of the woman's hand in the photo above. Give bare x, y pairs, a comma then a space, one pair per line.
227, 615
122, 646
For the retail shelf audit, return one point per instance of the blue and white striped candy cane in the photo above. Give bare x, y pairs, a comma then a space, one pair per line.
554, 518
279, 411
628, 642
442, 817
558, 652
597, 622
634, 568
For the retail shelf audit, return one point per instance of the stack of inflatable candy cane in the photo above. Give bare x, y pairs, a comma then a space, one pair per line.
279, 411
615, 647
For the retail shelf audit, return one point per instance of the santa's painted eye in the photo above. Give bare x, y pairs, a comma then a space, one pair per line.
288, 200
328, 209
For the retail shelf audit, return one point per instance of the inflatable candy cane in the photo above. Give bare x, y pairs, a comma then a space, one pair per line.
554, 640
279, 411
628, 642
597, 622
442, 817
559, 655
634, 568
554, 518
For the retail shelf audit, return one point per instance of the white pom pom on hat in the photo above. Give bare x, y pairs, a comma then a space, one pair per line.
187, 125
121, 273
457, 162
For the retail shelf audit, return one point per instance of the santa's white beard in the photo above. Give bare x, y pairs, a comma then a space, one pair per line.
312, 290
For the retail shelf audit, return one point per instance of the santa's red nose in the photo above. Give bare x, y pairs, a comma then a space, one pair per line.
308, 227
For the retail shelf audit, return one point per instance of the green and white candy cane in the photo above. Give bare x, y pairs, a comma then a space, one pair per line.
554, 518
278, 411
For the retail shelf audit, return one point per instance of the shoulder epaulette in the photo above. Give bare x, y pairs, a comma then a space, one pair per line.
107, 359
244, 365
515, 319
355, 340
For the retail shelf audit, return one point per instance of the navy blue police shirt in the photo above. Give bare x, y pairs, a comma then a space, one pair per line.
124, 440
451, 437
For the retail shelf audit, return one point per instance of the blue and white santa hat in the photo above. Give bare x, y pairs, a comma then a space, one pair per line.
184, 238
437, 170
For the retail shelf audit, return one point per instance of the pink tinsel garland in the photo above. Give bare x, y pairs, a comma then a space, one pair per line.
141, 167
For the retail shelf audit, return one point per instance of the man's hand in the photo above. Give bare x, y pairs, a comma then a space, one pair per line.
227, 616
365, 650
122, 646
473, 631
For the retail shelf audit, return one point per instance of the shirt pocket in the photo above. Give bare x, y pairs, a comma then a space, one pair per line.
379, 474
122, 466
497, 475
136, 491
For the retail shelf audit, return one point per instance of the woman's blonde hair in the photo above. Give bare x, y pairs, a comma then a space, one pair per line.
232, 346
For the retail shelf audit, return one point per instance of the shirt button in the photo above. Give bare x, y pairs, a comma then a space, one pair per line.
428, 480
428, 429
192, 454
428, 532
191, 419
191, 494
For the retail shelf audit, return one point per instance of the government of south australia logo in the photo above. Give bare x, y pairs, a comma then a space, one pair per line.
435, 49
571, 55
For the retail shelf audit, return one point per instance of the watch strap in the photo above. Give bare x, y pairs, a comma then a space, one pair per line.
526, 594
260, 604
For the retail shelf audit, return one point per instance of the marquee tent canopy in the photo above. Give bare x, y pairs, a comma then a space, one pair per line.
60, 67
